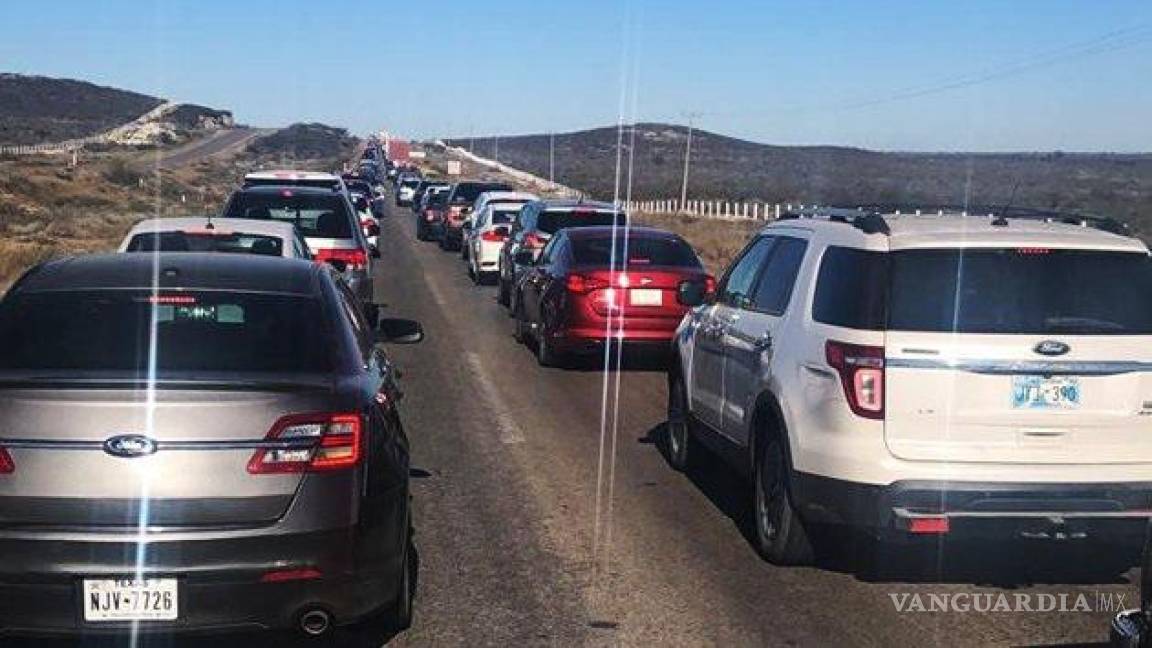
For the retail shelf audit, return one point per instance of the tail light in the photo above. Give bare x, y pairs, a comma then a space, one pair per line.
492, 236
861, 370
429, 215
355, 259
582, 285
7, 466
314, 443
371, 228
534, 241
709, 285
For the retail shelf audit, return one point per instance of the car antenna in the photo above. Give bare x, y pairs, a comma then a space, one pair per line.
1002, 219
209, 225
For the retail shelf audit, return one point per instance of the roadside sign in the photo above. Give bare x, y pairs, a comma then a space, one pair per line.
453, 167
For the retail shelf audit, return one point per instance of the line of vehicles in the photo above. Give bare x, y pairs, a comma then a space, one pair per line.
899, 376
200, 431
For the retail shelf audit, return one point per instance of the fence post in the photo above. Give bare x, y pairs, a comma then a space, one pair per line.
777, 211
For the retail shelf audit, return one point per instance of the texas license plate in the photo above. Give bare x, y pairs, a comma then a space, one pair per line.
645, 297
127, 599
1040, 392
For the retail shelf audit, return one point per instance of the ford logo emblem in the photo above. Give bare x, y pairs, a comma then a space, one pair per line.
129, 445
1051, 348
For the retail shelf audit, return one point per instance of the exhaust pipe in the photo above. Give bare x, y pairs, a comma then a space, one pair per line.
315, 622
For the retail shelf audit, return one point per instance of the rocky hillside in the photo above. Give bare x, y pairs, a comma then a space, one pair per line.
305, 142
35, 110
730, 168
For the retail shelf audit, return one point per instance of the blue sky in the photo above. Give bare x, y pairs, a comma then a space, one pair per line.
897, 74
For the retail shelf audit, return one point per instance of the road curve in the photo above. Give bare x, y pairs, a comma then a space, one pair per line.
217, 142
525, 540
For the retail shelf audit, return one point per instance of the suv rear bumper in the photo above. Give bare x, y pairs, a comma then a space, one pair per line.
220, 586
1119, 510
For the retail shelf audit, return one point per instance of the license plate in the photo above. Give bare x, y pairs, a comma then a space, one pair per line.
127, 599
1039, 392
645, 297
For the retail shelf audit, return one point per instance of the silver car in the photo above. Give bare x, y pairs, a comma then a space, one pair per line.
207, 234
198, 441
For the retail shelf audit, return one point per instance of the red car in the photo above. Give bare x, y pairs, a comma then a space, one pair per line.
581, 292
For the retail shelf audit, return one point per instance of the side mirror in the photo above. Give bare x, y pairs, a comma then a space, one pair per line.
525, 258
373, 251
467, 225
692, 293
392, 330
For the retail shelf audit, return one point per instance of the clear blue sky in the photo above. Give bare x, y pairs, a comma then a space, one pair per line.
897, 74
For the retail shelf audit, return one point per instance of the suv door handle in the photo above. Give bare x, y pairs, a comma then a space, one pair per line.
764, 343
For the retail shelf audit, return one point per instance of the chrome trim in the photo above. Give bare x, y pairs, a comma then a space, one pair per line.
1012, 367
53, 444
906, 514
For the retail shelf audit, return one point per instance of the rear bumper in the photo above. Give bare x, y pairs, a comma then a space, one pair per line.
590, 339
983, 509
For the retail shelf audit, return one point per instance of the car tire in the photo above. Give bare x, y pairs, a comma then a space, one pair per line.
520, 327
780, 536
546, 356
502, 291
678, 440
400, 613
463, 252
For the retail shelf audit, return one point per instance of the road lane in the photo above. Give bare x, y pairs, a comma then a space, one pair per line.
528, 542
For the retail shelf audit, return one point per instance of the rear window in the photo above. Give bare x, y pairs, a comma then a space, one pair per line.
315, 215
641, 252
551, 222
1028, 290
468, 192
232, 242
994, 291
504, 216
411, 184
109, 330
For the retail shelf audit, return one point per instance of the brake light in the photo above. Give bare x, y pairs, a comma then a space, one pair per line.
286, 575
355, 259
171, 300
429, 215
709, 285
492, 236
582, 285
313, 443
7, 466
534, 241
861, 370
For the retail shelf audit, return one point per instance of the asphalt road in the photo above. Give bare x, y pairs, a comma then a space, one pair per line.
548, 516
213, 144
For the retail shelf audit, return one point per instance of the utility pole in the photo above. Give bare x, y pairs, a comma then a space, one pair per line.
687, 157
552, 158
496, 153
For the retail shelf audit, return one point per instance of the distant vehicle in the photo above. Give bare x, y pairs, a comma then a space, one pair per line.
904, 376
233, 414
434, 204
290, 178
368, 224
460, 203
207, 234
360, 186
536, 224
422, 188
506, 197
328, 222
594, 285
406, 189
490, 227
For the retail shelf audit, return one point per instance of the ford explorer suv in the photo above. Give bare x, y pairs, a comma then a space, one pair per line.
198, 441
926, 375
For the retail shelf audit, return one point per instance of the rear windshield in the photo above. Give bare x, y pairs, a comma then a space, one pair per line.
195, 242
504, 216
315, 215
551, 222
109, 330
322, 183
995, 291
468, 192
641, 252
409, 183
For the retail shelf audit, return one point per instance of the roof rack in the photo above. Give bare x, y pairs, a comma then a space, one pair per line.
1002, 216
867, 221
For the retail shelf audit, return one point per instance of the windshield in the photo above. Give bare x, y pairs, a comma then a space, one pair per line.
235, 242
551, 222
642, 251
108, 331
315, 215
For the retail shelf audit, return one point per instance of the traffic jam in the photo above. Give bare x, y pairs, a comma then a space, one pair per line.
204, 430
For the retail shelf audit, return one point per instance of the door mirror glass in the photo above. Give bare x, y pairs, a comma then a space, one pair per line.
525, 257
391, 330
692, 293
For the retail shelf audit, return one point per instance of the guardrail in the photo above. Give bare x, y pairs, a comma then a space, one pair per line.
541, 184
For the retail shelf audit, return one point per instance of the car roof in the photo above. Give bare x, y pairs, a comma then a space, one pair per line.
909, 231
567, 204
186, 270
282, 229
601, 231
290, 175
506, 196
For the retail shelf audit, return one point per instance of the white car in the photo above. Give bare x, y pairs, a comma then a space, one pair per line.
294, 178
926, 375
483, 236
208, 234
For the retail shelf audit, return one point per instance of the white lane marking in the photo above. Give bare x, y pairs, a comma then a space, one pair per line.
438, 296
509, 431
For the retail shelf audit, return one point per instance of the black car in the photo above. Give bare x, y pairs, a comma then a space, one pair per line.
216, 436
460, 201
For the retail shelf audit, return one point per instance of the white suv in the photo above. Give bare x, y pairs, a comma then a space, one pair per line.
908, 375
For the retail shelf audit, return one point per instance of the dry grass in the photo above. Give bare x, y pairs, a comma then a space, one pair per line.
716, 241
